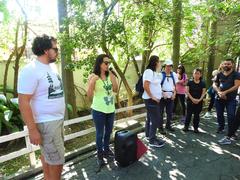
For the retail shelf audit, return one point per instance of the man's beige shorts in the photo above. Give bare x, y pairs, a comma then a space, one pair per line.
52, 147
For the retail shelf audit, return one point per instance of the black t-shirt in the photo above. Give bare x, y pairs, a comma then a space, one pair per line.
226, 82
196, 89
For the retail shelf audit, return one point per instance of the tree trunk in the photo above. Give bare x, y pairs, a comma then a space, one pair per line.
146, 43
15, 52
6, 72
212, 52
136, 66
67, 75
205, 40
177, 23
107, 13
17, 60
145, 57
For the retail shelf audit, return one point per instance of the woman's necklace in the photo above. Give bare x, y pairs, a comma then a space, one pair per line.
107, 86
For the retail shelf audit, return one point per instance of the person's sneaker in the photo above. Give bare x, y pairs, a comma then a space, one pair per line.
108, 154
234, 138
162, 131
196, 131
170, 129
182, 120
225, 140
100, 160
147, 138
220, 131
185, 129
157, 143
208, 114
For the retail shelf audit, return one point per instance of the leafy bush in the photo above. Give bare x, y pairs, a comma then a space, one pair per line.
10, 118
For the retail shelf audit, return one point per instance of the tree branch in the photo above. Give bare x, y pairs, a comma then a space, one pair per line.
160, 45
23, 11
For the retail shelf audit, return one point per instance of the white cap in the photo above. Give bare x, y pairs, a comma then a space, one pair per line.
168, 62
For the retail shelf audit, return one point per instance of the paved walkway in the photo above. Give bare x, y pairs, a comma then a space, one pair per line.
185, 156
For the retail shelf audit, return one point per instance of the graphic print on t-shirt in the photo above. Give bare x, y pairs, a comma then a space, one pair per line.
54, 91
109, 98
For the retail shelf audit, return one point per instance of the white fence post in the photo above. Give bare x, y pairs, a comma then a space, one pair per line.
32, 156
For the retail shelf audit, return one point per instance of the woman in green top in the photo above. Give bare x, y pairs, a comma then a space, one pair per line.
102, 84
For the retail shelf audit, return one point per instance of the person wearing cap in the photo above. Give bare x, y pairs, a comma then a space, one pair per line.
168, 84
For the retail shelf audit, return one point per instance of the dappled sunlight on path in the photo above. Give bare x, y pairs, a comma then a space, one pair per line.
185, 156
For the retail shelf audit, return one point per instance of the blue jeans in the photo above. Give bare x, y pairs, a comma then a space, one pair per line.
104, 125
236, 123
153, 118
230, 105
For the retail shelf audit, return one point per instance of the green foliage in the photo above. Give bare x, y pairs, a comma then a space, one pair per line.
8, 89
4, 11
123, 33
195, 40
69, 108
134, 27
10, 118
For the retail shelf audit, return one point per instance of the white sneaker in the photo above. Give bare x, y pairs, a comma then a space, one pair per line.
147, 138
224, 141
157, 143
208, 114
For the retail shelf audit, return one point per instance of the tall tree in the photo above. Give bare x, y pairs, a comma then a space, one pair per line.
107, 12
18, 54
177, 23
212, 51
19, 48
67, 75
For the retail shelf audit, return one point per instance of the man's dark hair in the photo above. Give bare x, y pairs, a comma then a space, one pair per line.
42, 43
198, 70
98, 62
230, 59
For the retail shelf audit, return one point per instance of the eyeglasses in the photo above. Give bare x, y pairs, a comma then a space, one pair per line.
106, 62
55, 49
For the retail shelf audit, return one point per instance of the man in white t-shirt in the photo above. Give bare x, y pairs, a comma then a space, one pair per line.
42, 106
168, 83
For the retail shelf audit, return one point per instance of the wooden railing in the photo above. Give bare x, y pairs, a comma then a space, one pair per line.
30, 149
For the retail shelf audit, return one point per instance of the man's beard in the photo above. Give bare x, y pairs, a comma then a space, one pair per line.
227, 68
52, 60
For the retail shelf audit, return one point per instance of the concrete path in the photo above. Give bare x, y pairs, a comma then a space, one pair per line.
185, 156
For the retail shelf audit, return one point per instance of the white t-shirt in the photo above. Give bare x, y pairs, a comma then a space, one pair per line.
44, 83
155, 83
168, 85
